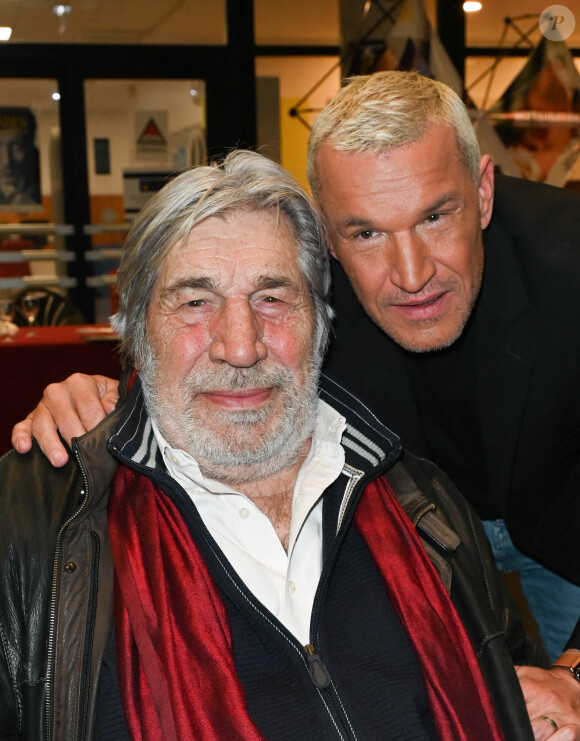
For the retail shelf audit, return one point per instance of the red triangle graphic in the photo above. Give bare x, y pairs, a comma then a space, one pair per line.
151, 132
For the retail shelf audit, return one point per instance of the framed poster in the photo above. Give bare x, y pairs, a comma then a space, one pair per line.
19, 160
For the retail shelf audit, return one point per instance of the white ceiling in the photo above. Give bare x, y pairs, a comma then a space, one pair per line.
203, 21
116, 21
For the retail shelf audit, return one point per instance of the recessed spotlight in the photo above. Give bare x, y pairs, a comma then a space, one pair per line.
472, 7
56, 95
61, 10
5, 33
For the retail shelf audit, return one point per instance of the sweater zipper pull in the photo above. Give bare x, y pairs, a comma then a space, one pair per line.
318, 672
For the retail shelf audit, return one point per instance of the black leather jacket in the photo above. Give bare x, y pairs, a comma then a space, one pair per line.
56, 580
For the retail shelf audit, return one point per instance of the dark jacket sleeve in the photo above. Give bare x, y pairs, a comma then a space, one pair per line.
34, 497
574, 640
55, 589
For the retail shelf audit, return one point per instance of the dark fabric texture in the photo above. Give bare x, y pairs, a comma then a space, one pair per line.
110, 724
445, 388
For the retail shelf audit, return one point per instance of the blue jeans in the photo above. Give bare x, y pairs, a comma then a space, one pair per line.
553, 601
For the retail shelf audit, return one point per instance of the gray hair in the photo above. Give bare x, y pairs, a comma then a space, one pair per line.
375, 113
244, 180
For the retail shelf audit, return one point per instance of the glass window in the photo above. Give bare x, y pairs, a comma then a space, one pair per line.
305, 86
31, 223
139, 133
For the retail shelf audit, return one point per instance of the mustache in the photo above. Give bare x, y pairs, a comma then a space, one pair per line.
399, 295
228, 378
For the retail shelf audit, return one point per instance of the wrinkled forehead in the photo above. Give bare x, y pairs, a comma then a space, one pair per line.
240, 242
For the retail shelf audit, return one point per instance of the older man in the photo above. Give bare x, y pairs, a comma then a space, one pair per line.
229, 555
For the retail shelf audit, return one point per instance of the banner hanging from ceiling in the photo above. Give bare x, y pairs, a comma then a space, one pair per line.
538, 116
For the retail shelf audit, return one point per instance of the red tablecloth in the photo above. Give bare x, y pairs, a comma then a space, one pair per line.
34, 359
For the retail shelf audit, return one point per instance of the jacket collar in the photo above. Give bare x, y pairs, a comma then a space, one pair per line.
367, 442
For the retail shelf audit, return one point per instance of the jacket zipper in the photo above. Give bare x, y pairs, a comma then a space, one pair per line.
321, 679
53, 599
319, 673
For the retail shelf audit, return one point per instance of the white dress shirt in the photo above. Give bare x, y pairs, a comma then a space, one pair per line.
285, 583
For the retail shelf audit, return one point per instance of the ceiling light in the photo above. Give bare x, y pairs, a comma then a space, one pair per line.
61, 10
5, 33
472, 7
56, 95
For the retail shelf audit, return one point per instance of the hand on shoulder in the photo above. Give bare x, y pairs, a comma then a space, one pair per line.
72, 408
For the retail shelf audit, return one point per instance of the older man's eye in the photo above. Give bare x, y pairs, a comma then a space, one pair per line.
366, 234
196, 302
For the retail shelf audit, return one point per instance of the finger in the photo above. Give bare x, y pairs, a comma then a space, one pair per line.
109, 402
22, 436
567, 733
109, 392
45, 429
542, 730
46, 434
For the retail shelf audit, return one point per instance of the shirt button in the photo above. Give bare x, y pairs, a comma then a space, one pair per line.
244, 513
291, 586
175, 458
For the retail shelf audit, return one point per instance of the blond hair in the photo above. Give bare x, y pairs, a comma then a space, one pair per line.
378, 112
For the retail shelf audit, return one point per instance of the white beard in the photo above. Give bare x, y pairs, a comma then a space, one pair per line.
236, 446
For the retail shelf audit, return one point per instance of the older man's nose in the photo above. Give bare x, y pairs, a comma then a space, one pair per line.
236, 335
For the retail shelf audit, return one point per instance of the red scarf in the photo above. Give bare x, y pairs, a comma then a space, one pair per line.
172, 628
170, 624
458, 695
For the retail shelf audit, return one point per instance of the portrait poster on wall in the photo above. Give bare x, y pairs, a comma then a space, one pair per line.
19, 161
538, 116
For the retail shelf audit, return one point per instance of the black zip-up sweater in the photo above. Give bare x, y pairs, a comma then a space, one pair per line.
56, 593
